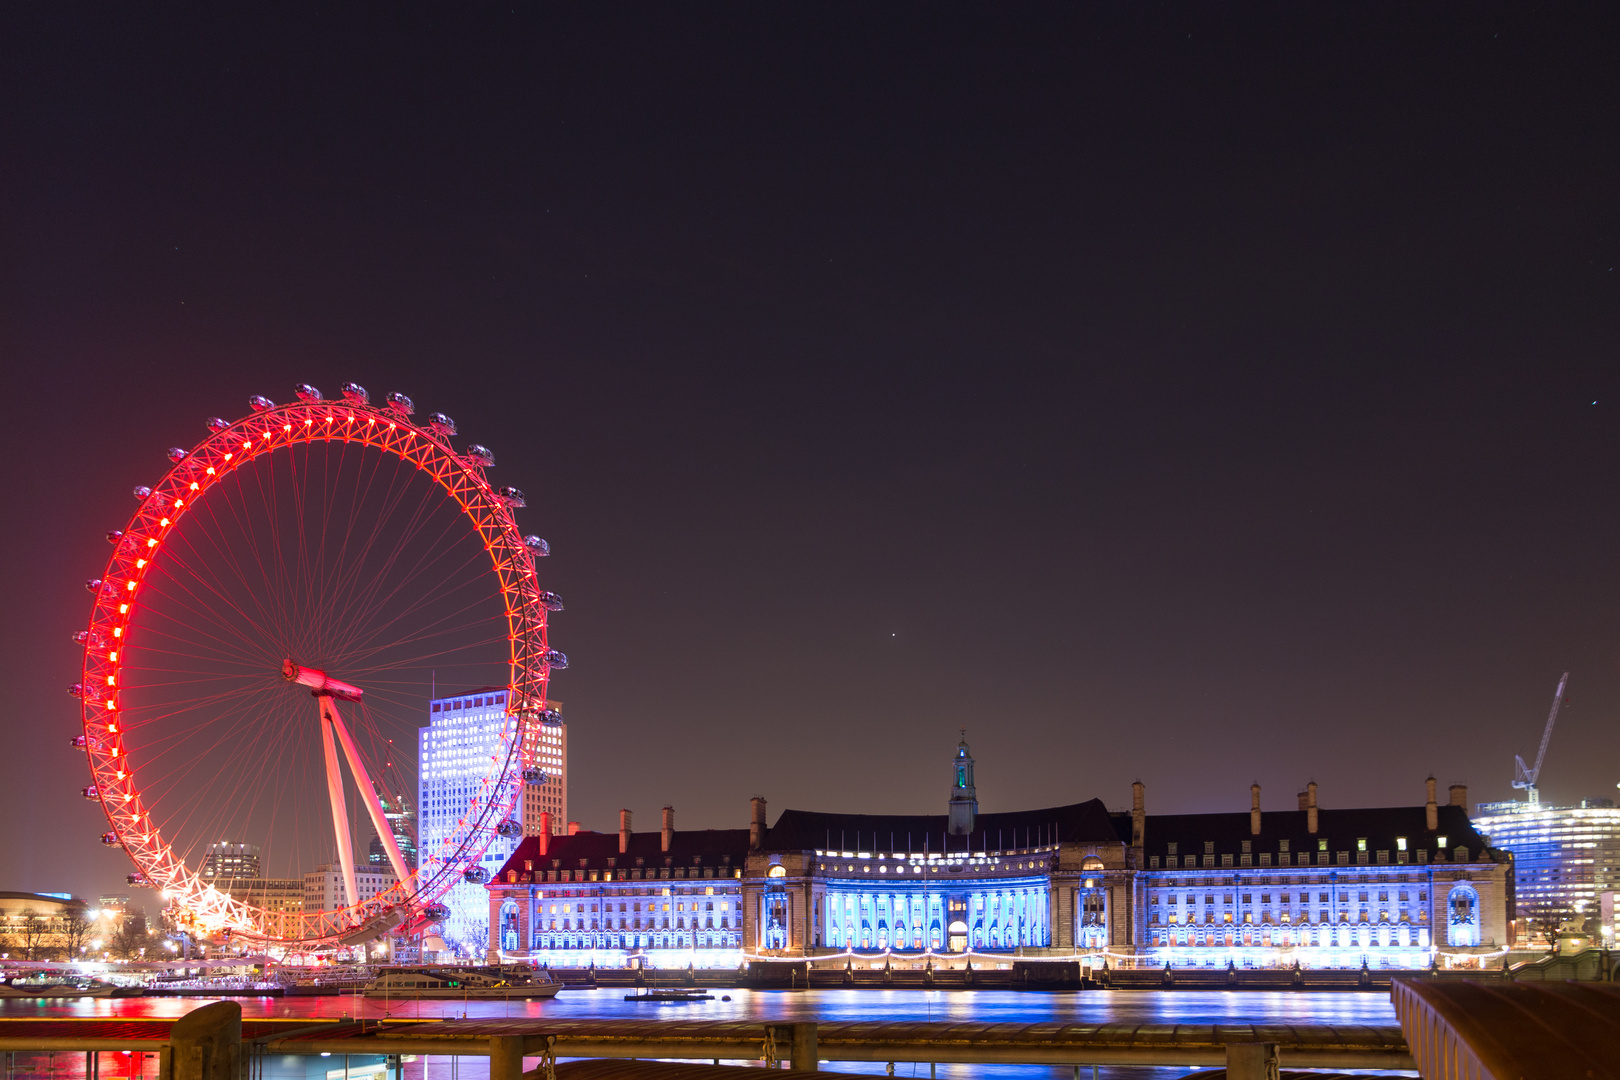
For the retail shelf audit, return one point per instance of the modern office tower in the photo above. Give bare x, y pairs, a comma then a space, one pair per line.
401, 817
551, 795
1565, 858
454, 754
228, 860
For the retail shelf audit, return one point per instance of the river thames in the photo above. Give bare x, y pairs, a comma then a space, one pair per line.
1095, 1006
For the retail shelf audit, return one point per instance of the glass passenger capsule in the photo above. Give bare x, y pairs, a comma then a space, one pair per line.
538, 546
307, 393
401, 404
260, 403
356, 393
482, 454
441, 424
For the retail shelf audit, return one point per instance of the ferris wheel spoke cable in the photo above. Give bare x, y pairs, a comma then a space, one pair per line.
182, 592
373, 598
353, 575
358, 652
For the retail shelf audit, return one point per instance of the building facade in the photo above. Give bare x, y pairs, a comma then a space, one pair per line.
287, 894
227, 860
1394, 887
666, 899
324, 890
1390, 887
1565, 858
453, 754
44, 926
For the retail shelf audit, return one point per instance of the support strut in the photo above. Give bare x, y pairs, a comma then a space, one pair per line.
340, 813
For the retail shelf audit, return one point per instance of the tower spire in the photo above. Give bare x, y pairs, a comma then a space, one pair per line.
964, 807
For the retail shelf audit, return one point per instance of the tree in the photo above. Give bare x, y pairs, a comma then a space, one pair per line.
28, 928
1544, 921
131, 937
76, 928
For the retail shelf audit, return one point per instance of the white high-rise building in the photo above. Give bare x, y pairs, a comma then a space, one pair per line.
453, 755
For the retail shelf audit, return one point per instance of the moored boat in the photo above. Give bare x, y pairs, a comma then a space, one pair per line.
462, 984
56, 988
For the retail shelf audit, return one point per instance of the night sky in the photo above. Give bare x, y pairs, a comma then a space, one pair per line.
1201, 394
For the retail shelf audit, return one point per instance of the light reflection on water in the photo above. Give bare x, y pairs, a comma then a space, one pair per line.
1094, 1006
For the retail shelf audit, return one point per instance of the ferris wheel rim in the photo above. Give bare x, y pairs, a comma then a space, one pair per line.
137, 550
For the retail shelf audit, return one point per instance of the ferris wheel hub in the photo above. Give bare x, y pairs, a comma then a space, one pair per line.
322, 684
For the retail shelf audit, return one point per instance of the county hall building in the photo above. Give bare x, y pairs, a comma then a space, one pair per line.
1391, 887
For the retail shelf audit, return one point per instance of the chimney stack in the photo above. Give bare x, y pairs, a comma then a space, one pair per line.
574, 828
1138, 815
669, 828
624, 831
1310, 807
1431, 812
1459, 797
544, 839
1254, 809
756, 823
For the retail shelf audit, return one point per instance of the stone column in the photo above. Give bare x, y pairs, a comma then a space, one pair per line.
1250, 1061
506, 1057
206, 1043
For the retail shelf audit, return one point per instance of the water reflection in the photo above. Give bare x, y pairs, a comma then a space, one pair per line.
1095, 1006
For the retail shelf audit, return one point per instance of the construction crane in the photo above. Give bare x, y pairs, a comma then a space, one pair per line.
1526, 777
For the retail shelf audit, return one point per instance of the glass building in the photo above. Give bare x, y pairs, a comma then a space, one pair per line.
453, 756
1565, 858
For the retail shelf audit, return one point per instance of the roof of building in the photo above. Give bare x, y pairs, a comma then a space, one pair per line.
800, 830
593, 850
41, 902
1342, 829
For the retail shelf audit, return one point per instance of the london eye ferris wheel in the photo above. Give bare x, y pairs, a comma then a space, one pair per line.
276, 613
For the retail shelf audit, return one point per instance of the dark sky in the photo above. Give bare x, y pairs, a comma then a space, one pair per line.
1200, 394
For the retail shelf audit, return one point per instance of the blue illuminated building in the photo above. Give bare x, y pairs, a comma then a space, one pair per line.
1390, 887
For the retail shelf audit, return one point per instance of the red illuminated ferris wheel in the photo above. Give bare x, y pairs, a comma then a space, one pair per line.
283, 604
